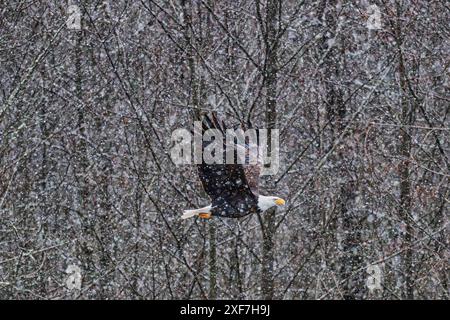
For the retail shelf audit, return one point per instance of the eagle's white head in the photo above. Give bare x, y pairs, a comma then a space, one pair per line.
267, 202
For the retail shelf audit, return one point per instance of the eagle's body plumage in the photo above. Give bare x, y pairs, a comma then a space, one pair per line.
233, 188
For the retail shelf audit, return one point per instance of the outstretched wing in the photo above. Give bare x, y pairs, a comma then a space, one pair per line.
222, 180
252, 173
252, 168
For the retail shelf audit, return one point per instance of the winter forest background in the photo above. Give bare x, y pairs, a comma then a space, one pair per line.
90, 201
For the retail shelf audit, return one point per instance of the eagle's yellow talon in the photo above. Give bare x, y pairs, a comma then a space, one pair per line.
204, 215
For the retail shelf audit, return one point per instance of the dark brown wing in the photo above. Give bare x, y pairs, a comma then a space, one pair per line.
252, 173
252, 170
222, 180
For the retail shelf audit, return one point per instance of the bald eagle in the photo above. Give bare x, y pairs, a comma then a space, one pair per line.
233, 188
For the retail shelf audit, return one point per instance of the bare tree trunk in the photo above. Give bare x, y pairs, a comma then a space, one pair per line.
212, 261
194, 87
198, 98
404, 167
271, 82
349, 224
81, 171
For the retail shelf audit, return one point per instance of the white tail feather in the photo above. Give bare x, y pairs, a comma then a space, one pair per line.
195, 212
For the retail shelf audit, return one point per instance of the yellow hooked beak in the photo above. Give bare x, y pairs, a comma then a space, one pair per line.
280, 202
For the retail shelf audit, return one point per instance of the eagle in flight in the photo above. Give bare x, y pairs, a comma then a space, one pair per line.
233, 188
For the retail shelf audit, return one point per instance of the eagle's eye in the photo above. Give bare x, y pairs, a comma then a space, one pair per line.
279, 202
